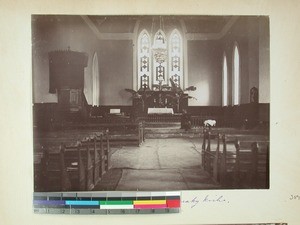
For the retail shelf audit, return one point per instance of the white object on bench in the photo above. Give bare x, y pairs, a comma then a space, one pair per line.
210, 123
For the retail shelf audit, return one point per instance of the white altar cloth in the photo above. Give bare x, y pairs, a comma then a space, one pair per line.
160, 111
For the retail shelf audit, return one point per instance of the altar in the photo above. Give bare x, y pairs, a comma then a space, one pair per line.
160, 111
159, 102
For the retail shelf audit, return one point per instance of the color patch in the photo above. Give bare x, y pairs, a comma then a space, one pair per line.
150, 202
82, 203
173, 203
116, 202
151, 206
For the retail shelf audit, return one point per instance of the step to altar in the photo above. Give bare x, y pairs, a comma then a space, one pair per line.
162, 125
172, 132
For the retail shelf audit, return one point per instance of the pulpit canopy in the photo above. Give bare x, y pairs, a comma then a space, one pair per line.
66, 69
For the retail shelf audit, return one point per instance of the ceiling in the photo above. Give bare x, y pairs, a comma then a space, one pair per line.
211, 26
193, 24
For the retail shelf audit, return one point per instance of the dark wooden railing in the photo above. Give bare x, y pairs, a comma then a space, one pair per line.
161, 118
119, 133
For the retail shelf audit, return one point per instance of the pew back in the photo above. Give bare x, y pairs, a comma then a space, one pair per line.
241, 162
247, 166
78, 166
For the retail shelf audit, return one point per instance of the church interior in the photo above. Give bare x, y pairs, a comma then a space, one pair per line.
150, 103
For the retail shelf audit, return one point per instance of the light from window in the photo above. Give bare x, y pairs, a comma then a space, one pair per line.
96, 84
225, 82
236, 76
159, 61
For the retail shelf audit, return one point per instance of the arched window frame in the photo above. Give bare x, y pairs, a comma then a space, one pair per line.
176, 59
96, 80
152, 63
236, 74
224, 81
144, 61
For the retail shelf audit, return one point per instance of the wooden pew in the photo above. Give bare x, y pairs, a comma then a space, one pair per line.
78, 166
120, 134
247, 166
211, 157
198, 121
75, 166
252, 163
54, 171
105, 151
135, 136
94, 157
244, 165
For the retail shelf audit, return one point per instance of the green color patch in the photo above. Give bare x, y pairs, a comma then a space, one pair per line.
116, 202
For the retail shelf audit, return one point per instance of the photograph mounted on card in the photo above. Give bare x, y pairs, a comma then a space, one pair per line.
150, 103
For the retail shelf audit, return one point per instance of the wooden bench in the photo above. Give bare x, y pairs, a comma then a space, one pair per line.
211, 157
126, 134
247, 166
244, 165
78, 166
198, 121
120, 134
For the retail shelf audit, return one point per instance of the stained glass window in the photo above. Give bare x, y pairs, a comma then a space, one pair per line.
160, 60
144, 65
175, 58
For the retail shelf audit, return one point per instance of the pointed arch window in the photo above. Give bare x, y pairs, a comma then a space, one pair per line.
159, 59
225, 82
144, 64
96, 80
236, 75
175, 58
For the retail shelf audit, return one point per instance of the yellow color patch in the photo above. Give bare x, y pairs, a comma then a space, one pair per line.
150, 202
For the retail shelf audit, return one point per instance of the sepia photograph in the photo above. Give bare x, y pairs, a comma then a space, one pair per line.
149, 112
150, 103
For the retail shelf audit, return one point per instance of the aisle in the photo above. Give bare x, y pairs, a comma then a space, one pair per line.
159, 164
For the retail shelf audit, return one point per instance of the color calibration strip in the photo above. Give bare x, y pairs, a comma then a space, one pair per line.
106, 203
